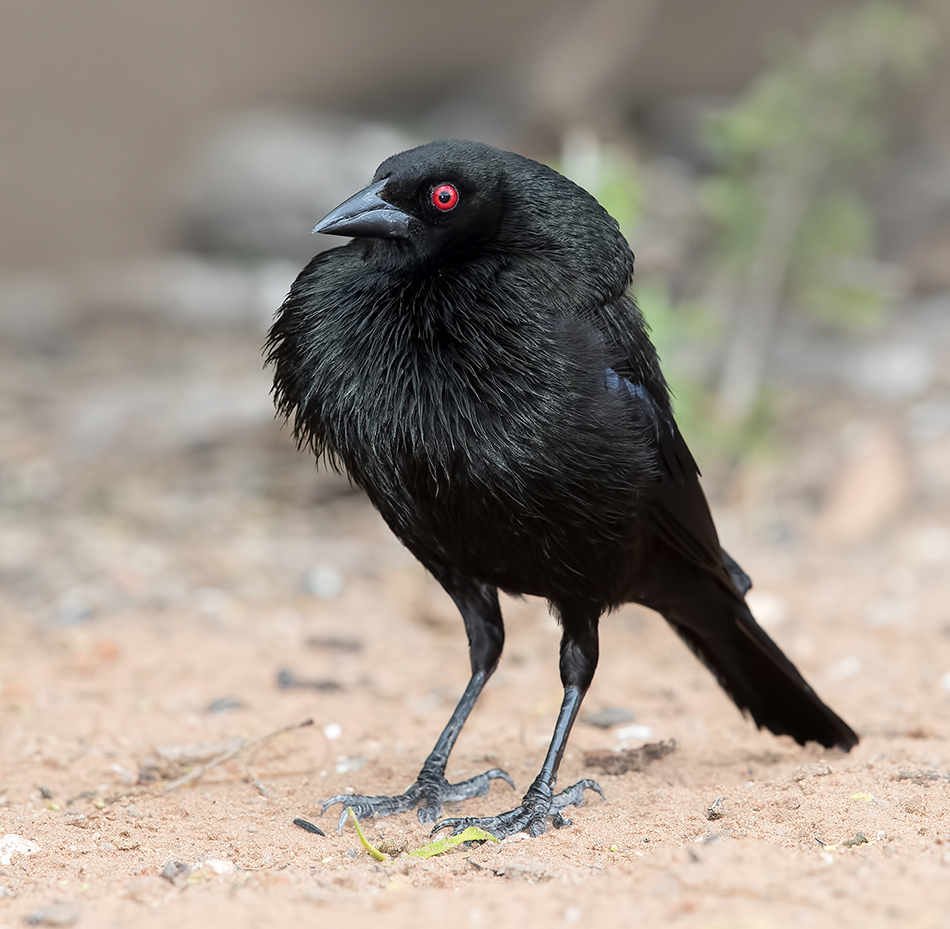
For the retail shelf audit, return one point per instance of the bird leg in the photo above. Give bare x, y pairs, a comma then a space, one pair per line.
579, 649
481, 613
431, 789
540, 801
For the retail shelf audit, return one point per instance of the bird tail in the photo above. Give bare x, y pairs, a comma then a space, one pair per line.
755, 673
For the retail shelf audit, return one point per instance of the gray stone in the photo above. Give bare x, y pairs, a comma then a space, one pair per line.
607, 717
262, 182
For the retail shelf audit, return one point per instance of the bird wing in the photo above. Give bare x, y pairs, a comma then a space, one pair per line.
680, 514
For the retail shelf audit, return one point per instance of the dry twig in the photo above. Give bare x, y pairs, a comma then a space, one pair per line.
195, 773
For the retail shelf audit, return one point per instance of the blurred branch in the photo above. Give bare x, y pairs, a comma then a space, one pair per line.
782, 148
789, 190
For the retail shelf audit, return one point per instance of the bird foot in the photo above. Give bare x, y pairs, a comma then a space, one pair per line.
431, 789
531, 816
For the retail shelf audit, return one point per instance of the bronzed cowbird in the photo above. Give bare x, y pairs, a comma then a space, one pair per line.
473, 360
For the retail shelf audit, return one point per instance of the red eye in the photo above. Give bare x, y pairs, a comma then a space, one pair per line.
444, 197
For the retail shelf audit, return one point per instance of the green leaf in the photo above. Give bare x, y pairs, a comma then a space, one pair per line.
372, 849
472, 834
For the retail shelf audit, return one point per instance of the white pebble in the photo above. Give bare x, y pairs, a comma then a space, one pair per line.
933, 543
844, 668
333, 731
632, 733
324, 581
768, 609
347, 763
15, 846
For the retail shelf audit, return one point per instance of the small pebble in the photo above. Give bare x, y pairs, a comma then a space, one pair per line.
13, 846
324, 581
634, 733
287, 680
769, 609
607, 718
844, 668
59, 914
335, 643
176, 870
348, 763
223, 704
933, 543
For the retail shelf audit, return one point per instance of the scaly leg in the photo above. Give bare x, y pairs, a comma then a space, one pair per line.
579, 650
478, 604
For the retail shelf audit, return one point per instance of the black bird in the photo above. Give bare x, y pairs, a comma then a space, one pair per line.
472, 359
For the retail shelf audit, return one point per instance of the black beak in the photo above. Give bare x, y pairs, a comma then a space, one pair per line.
366, 215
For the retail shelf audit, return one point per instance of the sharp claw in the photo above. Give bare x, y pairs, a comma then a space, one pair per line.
530, 816
452, 824
430, 789
574, 795
588, 784
339, 798
498, 774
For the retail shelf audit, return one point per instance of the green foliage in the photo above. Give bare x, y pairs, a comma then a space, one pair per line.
673, 328
621, 192
842, 70
808, 122
826, 277
737, 209
792, 228
440, 846
608, 173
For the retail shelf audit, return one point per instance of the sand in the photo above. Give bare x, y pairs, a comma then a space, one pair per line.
151, 600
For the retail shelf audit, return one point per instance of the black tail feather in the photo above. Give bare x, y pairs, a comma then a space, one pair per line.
762, 682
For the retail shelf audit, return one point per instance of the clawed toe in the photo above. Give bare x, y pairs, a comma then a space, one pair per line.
364, 807
531, 816
477, 786
574, 795
429, 792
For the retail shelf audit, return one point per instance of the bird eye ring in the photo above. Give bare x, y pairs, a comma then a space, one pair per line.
445, 197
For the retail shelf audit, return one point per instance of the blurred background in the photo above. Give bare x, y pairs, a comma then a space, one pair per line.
782, 171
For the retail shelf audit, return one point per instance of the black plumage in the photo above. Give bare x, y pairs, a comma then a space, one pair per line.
473, 360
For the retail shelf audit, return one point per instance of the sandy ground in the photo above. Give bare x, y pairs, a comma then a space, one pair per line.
158, 575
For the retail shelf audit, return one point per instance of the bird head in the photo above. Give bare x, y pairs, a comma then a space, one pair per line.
440, 198
456, 202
